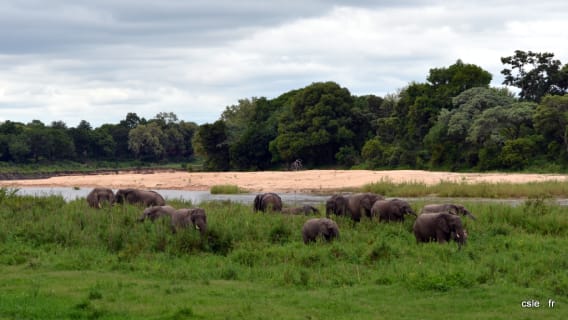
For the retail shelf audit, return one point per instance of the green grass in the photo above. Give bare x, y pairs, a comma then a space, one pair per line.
479, 190
226, 189
63, 260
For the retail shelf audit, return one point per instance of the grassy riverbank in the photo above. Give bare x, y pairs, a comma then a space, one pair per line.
63, 260
547, 189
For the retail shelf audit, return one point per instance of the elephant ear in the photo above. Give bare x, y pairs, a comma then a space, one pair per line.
443, 224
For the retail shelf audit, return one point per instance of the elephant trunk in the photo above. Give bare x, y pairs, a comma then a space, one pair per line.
461, 237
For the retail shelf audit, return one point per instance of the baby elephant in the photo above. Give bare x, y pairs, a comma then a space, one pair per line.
441, 227
179, 219
305, 210
319, 227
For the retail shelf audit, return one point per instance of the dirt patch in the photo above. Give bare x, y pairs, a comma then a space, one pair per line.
282, 181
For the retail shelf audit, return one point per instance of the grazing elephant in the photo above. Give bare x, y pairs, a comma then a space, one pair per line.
319, 227
441, 227
391, 210
305, 210
267, 201
180, 218
456, 209
337, 205
135, 196
361, 203
98, 196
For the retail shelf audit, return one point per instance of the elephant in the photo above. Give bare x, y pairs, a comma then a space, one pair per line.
180, 218
98, 196
456, 209
267, 201
439, 226
337, 205
305, 210
135, 196
362, 202
319, 227
391, 210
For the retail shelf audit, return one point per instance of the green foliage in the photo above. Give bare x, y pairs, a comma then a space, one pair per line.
551, 120
314, 125
213, 146
537, 74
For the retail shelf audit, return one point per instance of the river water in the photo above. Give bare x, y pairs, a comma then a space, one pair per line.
195, 197
289, 199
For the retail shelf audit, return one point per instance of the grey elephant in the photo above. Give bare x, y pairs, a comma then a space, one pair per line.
135, 196
319, 227
337, 205
179, 218
98, 196
456, 209
267, 201
360, 204
391, 210
305, 210
441, 227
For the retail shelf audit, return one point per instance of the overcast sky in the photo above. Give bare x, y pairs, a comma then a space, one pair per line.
97, 60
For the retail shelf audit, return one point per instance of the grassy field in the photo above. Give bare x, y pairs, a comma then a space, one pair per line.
63, 260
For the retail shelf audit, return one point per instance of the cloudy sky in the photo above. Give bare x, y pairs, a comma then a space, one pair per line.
97, 60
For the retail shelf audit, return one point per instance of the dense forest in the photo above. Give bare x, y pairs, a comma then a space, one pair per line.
453, 121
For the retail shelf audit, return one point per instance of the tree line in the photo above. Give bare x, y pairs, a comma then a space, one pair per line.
453, 121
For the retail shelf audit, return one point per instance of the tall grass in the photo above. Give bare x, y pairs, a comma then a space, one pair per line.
226, 189
478, 190
121, 267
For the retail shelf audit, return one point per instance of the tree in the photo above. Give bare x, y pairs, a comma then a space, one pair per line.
314, 125
551, 120
211, 142
147, 141
537, 74
451, 81
446, 140
82, 138
132, 120
249, 149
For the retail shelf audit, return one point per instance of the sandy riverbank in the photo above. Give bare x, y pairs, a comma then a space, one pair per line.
282, 181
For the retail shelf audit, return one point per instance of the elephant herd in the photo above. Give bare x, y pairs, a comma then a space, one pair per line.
155, 207
436, 222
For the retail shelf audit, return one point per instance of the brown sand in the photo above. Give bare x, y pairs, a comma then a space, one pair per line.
282, 181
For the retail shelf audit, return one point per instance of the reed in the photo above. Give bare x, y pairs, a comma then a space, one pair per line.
226, 189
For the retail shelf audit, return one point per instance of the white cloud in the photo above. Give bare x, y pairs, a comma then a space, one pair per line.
101, 60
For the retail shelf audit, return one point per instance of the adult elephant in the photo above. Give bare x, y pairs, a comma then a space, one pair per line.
456, 209
179, 218
305, 210
391, 210
337, 205
136, 196
360, 204
319, 227
267, 201
98, 196
441, 227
